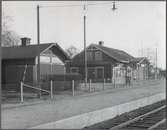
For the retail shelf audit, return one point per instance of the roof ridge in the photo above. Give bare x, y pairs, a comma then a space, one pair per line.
116, 50
110, 48
120, 55
29, 51
17, 46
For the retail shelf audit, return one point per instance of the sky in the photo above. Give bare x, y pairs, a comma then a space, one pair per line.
132, 27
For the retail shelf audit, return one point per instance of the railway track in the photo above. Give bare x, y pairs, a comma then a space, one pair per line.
151, 120
149, 117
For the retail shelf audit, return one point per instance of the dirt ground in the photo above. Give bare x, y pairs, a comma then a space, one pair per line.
66, 106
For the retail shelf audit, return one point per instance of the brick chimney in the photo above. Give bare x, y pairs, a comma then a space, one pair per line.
25, 41
101, 43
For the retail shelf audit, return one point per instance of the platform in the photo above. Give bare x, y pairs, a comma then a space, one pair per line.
81, 111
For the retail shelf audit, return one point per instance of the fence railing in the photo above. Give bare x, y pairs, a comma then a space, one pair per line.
22, 85
91, 87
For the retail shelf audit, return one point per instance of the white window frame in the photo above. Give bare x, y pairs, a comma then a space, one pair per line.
45, 62
77, 69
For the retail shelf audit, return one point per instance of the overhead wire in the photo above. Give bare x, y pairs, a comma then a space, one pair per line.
90, 4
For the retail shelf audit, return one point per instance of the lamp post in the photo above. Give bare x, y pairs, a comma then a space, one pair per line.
85, 52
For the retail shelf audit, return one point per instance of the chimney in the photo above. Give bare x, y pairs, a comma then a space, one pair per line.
25, 41
101, 43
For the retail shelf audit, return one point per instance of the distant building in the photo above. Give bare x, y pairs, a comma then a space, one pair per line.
163, 73
20, 62
141, 68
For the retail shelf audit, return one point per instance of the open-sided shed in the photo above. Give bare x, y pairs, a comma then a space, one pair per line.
20, 62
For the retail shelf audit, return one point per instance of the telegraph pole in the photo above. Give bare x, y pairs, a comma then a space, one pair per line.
38, 42
85, 47
156, 72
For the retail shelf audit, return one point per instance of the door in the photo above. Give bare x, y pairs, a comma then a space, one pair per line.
100, 72
91, 73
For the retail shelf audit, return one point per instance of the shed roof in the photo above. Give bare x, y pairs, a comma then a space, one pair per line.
30, 51
140, 60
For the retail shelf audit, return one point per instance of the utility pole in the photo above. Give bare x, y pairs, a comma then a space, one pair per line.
38, 42
85, 56
156, 72
141, 49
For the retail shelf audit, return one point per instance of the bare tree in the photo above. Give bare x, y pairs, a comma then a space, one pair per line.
8, 37
72, 51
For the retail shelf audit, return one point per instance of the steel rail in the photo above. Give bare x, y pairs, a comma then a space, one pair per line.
157, 124
136, 118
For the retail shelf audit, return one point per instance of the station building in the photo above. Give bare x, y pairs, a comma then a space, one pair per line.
108, 63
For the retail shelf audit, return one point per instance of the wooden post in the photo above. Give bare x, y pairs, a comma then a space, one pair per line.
104, 83
114, 82
21, 91
94, 85
51, 89
90, 85
72, 87
114, 76
24, 74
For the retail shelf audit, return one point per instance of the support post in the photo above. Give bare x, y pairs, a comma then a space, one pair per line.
114, 82
156, 65
51, 89
94, 85
21, 91
72, 87
90, 85
114, 76
104, 83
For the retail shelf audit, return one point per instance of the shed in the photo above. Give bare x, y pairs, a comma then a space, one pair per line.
20, 62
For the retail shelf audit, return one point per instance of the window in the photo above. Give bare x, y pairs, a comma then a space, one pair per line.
45, 59
74, 70
98, 56
142, 65
48, 59
56, 60
89, 56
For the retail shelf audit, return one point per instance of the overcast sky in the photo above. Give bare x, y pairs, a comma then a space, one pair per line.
134, 25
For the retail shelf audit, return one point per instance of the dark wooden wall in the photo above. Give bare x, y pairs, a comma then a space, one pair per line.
56, 69
106, 62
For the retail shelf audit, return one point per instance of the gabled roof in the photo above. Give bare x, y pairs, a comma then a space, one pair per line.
29, 51
118, 55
